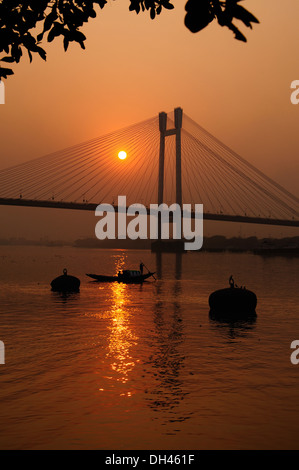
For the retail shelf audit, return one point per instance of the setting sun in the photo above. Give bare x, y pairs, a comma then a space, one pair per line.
122, 155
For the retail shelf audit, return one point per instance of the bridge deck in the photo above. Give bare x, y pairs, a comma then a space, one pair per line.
86, 206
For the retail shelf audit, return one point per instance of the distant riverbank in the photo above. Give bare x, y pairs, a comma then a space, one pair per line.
214, 243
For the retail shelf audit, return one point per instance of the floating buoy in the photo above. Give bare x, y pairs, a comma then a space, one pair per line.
233, 301
65, 283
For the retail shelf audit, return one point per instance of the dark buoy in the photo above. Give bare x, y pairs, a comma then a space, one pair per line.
234, 302
65, 283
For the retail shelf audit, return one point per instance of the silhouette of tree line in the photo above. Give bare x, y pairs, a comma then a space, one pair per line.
63, 18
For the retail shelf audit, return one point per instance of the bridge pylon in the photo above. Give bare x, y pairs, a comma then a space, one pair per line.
176, 245
164, 132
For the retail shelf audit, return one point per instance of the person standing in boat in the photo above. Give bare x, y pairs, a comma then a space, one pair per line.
141, 268
231, 282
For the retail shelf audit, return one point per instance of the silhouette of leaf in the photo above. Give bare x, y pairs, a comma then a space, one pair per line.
199, 15
76, 36
29, 42
4, 72
50, 19
242, 14
238, 34
65, 43
135, 6
92, 13
101, 3
16, 52
55, 31
18, 20
8, 59
41, 52
166, 4
155, 6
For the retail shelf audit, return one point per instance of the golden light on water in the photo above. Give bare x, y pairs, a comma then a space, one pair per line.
122, 337
122, 155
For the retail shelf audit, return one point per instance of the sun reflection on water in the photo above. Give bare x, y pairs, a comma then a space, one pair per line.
122, 337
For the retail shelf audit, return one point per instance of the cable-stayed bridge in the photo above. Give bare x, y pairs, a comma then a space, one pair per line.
170, 158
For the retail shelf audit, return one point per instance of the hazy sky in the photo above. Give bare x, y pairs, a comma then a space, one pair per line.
134, 67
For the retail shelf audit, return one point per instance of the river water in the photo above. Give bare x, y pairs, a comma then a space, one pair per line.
145, 367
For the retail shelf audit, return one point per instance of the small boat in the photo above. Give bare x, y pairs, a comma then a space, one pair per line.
127, 276
234, 301
65, 283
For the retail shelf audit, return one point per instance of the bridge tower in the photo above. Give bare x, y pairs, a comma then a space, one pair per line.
165, 245
164, 132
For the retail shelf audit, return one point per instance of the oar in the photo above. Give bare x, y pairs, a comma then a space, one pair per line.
147, 269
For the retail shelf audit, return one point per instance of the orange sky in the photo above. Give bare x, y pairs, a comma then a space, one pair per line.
133, 68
